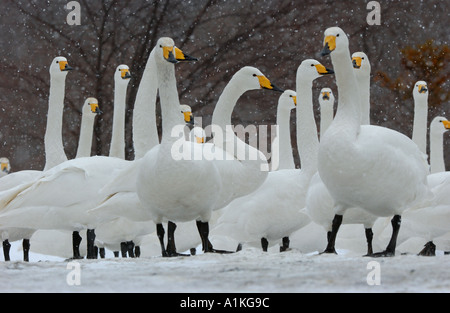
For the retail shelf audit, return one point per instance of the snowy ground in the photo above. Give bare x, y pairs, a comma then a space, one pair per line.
248, 271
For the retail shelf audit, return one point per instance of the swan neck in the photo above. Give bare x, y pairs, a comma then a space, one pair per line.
226, 103
283, 157
53, 141
307, 140
437, 163
326, 117
85, 140
348, 115
419, 135
117, 148
145, 132
363, 80
170, 103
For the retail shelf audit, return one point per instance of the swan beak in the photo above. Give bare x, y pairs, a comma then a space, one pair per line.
95, 108
265, 83
322, 70
295, 100
64, 66
423, 88
4, 167
325, 95
168, 55
181, 57
125, 74
200, 139
188, 117
446, 124
357, 62
329, 45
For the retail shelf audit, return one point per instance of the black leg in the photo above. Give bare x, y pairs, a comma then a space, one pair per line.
390, 249
102, 253
123, 249
95, 252
193, 251
160, 233
171, 248
137, 251
130, 248
337, 221
285, 246
76, 240
90, 234
26, 250
369, 237
239, 247
6, 248
264, 244
429, 249
116, 254
203, 229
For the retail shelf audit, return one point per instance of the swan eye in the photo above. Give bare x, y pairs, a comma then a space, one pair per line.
57, 62
362, 58
254, 75
337, 35
312, 65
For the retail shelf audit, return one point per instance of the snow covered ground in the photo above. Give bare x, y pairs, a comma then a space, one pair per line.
248, 271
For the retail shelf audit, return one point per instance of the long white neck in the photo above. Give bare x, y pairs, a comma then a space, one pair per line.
117, 148
170, 103
326, 116
86, 131
363, 80
54, 149
307, 140
348, 115
419, 135
437, 163
226, 103
282, 150
145, 132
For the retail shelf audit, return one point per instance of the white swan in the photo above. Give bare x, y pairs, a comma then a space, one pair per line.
13, 184
282, 156
319, 203
326, 101
40, 207
274, 211
5, 167
164, 184
369, 167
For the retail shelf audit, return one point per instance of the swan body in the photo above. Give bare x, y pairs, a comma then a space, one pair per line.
369, 167
275, 210
319, 202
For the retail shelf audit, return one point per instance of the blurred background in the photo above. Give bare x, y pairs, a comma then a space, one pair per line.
411, 44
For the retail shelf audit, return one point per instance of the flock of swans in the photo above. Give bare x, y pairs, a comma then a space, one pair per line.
357, 173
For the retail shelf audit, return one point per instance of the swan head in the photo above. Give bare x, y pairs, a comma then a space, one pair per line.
311, 69
60, 67
5, 167
361, 63
439, 125
420, 90
122, 74
336, 41
288, 100
326, 96
167, 50
251, 78
91, 107
197, 135
187, 113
